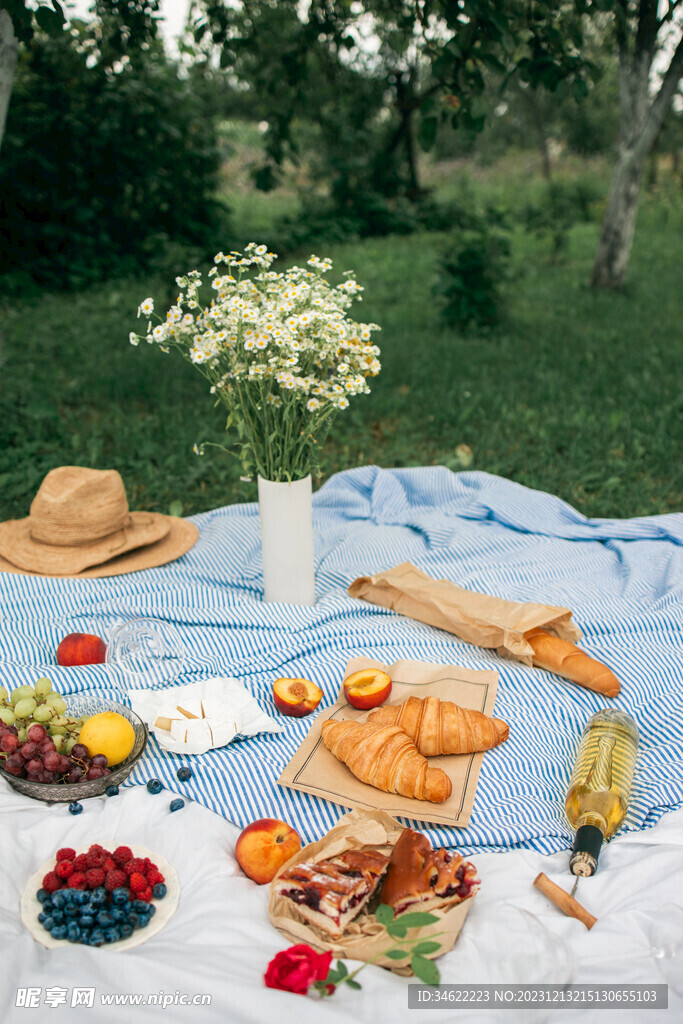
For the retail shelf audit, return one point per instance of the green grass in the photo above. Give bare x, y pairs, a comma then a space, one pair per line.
577, 394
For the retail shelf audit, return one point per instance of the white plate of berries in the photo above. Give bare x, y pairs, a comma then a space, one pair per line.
112, 896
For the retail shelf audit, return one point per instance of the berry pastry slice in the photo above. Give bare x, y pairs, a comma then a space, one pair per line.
331, 893
416, 873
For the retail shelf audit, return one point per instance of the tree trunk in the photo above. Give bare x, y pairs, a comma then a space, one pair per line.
8, 62
619, 222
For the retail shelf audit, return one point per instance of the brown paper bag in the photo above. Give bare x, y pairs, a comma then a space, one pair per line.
476, 618
315, 770
365, 939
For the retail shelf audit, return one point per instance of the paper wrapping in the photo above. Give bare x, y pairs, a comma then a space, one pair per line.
365, 938
478, 619
314, 769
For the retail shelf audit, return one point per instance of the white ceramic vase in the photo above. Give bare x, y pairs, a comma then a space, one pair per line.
286, 512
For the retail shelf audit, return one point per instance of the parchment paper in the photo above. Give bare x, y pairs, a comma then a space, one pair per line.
364, 939
313, 769
476, 618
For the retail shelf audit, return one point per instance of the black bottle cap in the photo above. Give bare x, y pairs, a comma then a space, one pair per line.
587, 846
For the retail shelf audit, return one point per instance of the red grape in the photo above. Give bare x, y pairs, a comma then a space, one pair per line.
9, 743
34, 766
79, 750
75, 775
52, 760
96, 772
28, 750
100, 760
37, 733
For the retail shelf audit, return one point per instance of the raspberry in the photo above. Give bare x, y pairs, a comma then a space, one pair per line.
94, 877
94, 859
115, 879
64, 869
154, 877
137, 882
66, 854
109, 864
122, 854
145, 894
80, 863
52, 882
77, 881
134, 865
96, 848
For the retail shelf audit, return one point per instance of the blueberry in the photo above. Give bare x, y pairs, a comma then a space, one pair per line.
134, 919
119, 896
86, 921
75, 807
184, 774
118, 916
112, 935
57, 916
42, 916
58, 932
126, 930
58, 899
42, 895
104, 919
48, 921
151, 909
175, 805
112, 791
72, 910
154, 786
96, 937
73, 932
144, 920
139, 906
82, 897
98, 896
159, 891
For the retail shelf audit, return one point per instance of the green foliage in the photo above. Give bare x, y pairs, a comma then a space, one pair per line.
103, 165
562, 205
472, 268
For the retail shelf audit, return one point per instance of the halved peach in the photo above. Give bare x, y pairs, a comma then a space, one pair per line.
367, 689
296, 697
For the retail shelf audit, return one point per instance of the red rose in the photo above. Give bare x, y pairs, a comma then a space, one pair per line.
295, 969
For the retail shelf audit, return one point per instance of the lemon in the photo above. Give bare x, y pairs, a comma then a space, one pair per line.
110, 734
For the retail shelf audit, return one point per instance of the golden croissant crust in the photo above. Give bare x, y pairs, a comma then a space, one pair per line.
383, 756
441, 727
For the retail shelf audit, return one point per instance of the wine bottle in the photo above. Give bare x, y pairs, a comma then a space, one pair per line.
597, 798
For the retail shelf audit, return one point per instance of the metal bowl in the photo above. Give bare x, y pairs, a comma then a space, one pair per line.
63, 792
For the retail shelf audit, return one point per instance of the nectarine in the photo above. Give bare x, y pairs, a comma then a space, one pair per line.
81, 649
296, 697
367, 689
264, 846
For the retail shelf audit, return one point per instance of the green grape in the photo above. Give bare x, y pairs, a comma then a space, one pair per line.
60, 720
43, 686
57, 702
20, 693
69, 744
43, 713
7, 716
3, 694
25, 707
22, 734
56, 730
58, 742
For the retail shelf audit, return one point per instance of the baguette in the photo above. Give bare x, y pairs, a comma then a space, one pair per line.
565, 659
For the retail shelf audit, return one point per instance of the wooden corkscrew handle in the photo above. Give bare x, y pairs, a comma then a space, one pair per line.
563, 901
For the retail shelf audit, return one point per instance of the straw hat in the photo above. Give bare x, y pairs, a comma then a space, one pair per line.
80, 526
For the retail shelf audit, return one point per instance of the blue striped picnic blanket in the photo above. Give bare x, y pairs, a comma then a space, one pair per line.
622, 578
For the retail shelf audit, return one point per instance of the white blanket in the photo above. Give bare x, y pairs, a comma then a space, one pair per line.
220, 940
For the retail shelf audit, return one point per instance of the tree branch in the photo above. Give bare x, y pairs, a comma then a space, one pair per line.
662, 102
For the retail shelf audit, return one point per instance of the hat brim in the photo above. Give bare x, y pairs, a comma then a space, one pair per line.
180, 535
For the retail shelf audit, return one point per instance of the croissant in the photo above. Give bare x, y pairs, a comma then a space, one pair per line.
441, 727
386, 758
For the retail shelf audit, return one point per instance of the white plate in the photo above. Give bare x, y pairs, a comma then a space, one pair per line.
165, 908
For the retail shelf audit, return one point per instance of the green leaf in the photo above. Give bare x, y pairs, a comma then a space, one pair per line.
426, 947
49, 20
384, 914
352, 984
397, 954
397, 931
416, 920
342, 969
175, 508
425, 970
